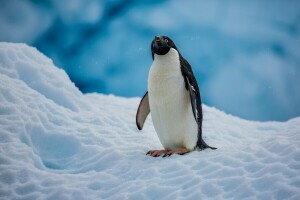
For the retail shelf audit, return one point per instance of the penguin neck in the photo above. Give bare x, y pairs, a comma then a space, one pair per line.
168, 63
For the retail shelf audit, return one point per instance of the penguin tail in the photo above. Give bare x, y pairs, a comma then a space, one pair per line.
202, 145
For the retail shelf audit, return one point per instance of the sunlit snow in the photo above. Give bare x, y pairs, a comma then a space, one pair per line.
57, 143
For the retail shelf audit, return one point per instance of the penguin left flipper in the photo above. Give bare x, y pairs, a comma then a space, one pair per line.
195, 104
197, 111
142, 112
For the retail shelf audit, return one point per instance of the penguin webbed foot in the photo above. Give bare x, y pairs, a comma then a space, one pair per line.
179, 152
167, 153
156, 153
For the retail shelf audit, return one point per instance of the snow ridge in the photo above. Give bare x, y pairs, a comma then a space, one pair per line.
56, 143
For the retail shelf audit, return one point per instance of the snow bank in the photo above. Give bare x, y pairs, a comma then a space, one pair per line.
56, 143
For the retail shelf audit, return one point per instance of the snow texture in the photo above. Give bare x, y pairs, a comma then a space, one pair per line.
57, 143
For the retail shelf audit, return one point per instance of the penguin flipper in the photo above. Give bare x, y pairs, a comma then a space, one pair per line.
197, 111
142, 112
195, 104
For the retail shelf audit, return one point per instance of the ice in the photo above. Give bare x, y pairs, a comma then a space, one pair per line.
57, 143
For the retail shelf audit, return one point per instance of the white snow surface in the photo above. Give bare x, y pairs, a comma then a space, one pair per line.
57, 143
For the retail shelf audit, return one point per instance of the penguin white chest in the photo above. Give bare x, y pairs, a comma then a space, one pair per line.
170, 103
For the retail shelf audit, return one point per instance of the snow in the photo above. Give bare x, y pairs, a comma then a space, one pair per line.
57, 143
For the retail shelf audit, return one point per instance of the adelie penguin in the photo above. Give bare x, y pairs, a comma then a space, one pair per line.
173, 99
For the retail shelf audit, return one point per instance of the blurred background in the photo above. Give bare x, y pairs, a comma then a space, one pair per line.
245, 54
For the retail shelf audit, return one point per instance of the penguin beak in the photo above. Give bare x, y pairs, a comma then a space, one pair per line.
160, 45
159, 42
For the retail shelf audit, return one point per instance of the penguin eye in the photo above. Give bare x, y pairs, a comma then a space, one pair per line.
166, 40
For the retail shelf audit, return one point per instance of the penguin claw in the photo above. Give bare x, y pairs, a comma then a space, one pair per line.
168, 154
156, 153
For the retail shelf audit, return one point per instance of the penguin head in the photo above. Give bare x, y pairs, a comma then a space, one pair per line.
161, 45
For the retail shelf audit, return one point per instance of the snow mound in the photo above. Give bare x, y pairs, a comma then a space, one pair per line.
56, 143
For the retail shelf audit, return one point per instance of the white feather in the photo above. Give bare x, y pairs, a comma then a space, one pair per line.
170, 103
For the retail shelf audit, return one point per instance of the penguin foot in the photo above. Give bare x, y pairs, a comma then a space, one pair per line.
156, 153
167, 153
179, 152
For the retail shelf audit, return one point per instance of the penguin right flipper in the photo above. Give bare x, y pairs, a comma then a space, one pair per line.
197, 111
194, 102
142, 112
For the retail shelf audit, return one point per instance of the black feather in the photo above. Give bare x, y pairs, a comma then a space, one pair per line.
192, 86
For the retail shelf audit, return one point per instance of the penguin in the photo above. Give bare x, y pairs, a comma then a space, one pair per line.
173, 99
